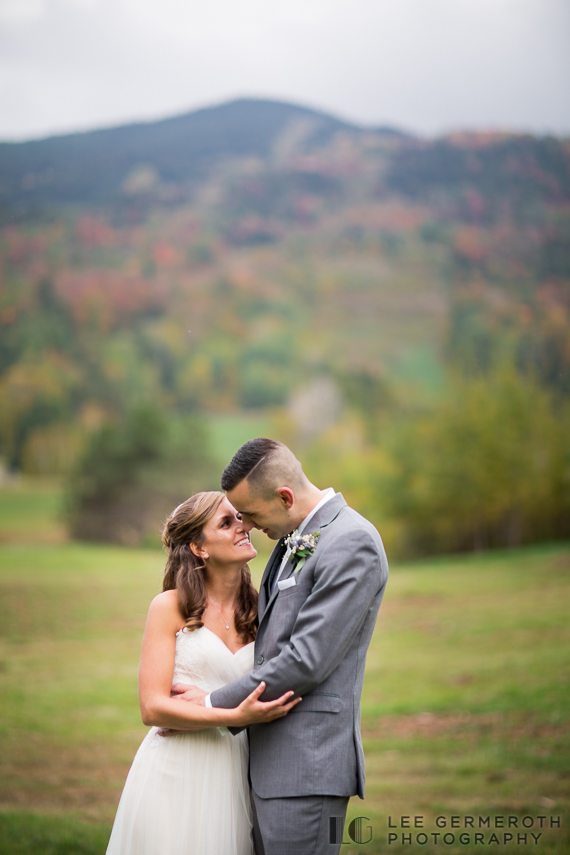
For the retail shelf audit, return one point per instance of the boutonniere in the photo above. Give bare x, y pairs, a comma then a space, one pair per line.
302, 546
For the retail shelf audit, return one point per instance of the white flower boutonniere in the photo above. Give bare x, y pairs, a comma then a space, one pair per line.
302, 546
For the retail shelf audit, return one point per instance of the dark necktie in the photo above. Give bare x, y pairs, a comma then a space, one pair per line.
276, 565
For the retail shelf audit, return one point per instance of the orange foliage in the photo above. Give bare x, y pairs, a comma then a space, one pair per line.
164, 254
108, 296
471, 242
476, 139
22, 247
95, 232
388, 217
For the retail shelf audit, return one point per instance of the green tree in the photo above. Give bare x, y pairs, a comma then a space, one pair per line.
489, 466
133, 472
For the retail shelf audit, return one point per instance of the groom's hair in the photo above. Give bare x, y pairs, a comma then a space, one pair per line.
266, 464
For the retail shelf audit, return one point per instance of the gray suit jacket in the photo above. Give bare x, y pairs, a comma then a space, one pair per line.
313, 638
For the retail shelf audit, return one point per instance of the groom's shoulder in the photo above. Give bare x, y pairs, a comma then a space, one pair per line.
350, 521
351, 535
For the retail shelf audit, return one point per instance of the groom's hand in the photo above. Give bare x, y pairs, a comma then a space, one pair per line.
187, 692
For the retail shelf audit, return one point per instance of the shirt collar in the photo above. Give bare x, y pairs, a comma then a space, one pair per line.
329, 494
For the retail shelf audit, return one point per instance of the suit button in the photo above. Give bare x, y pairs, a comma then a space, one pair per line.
260, 660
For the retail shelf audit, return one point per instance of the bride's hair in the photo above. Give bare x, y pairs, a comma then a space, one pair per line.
186, 572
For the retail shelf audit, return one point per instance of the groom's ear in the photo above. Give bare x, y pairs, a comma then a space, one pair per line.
287, 497
199, 553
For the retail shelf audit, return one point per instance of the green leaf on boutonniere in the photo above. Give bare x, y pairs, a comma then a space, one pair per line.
302, 547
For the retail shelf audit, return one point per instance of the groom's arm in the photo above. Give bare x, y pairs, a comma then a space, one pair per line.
349, 580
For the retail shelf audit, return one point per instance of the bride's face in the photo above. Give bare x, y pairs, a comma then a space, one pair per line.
225, 539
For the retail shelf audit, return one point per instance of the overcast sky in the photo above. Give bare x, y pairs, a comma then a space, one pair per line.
422, 65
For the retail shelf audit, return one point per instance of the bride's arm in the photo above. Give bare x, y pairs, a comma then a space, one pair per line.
155, 681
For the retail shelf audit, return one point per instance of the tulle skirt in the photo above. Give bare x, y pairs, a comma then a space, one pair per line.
186, 794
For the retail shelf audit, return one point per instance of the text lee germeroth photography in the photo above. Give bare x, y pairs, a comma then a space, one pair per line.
467, 830
479, 830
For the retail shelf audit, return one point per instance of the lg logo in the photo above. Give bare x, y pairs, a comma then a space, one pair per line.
357, 831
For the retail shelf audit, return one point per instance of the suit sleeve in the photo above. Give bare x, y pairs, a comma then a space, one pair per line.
350, 577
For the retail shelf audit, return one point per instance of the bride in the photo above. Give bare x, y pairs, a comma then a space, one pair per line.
187, 791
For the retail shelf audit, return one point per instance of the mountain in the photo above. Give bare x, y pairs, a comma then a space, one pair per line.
98, 167
263, 260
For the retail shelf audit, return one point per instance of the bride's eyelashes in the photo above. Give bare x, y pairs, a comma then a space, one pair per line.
227, 521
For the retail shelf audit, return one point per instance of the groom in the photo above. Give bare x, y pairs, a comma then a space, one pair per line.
316, 619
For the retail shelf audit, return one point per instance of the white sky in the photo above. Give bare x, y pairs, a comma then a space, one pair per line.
422, 65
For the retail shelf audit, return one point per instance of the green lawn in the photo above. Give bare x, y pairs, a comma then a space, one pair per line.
31, 511
465, 707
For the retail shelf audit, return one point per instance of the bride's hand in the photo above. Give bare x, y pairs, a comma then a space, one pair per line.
254, 711
187, 692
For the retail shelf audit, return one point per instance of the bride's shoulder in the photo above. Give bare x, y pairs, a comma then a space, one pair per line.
164, 607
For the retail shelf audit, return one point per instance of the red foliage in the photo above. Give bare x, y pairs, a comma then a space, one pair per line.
470, 243
389, 217
94, 232
109, 297
164, 254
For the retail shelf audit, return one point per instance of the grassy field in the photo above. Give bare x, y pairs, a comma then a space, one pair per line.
465, 707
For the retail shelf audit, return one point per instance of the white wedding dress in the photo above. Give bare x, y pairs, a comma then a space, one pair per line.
188, 794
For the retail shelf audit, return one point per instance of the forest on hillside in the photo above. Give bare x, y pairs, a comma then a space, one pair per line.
396, 309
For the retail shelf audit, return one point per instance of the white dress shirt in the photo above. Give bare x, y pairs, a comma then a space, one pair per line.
329, 493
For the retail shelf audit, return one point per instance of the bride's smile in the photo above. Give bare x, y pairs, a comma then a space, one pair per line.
225, 540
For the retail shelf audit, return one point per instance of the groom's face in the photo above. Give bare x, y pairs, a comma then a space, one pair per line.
272, 516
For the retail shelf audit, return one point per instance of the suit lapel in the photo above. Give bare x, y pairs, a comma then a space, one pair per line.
324, 517
264, 592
